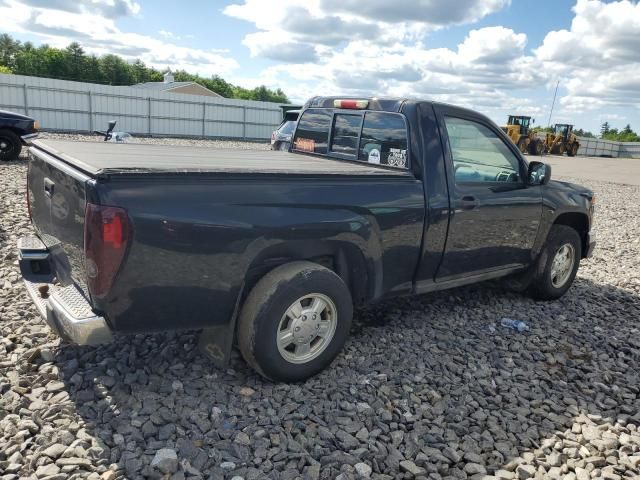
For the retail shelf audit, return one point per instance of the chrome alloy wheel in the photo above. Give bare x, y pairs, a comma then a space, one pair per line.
562, 265
307, 328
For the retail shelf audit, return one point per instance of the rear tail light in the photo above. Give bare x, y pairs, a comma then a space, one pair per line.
273, 137
351, 104
107, 233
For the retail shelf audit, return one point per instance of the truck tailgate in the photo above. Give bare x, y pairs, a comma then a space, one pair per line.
57, 199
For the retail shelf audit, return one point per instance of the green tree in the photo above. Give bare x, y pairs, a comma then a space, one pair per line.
92, 70
625, 135
75, 62
9, 48
72, 63
583, 133
4, 69
115, 70
604, 129
140, 72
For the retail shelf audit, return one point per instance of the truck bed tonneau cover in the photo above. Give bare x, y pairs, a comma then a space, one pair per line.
104, 159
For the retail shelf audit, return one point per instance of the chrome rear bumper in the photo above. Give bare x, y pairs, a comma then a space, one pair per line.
64, 308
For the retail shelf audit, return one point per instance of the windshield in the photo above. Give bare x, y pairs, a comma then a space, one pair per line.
287, 128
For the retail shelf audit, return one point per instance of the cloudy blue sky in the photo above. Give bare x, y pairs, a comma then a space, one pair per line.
498, 56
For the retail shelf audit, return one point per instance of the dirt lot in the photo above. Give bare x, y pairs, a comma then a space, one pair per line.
625, 171
429, 387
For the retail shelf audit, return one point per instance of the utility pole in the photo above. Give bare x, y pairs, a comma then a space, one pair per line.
553, 103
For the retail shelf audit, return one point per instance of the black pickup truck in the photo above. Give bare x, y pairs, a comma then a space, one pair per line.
377, 198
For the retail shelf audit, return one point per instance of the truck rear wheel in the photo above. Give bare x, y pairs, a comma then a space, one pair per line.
557, 264
573, 150
10, 145
295, 321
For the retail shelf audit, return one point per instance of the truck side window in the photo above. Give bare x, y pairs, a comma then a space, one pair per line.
312, 134
479, 155
384, 140
346, 129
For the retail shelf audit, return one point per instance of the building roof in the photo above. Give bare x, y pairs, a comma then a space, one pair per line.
163, 85
168, 86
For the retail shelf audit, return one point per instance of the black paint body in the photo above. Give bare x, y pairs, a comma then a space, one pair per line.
19, 124
202, 238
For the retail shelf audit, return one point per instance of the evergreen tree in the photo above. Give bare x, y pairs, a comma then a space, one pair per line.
72, 63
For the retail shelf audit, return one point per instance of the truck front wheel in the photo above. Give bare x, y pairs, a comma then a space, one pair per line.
295, 321
557, 264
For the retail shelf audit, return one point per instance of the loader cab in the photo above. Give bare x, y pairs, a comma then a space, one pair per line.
522, 122
564, 130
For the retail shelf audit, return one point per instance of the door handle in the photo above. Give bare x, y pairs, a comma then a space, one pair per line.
48, 187
468, 202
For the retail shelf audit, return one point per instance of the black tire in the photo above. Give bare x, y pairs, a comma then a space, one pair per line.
536, 147
522, 145
265, 306
539, 147
542, 284
572, 151
10, 145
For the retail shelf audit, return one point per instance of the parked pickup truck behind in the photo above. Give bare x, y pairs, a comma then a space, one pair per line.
376, 199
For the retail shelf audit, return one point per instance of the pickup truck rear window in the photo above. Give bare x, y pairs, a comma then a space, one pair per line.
312, 134
373, 137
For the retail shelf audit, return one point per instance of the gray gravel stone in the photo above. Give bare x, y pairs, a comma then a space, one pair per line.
165, 460
363, 470
526, 471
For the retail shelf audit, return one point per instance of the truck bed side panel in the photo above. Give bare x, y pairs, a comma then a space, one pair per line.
195, 238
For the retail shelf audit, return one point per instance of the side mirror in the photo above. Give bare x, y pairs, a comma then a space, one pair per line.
111, 126
539, 173
533, 120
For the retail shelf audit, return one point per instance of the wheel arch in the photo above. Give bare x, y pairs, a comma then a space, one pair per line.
19, 132
579, 222
347, 260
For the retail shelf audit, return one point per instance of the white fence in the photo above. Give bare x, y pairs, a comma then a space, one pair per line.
597, 147
80, 107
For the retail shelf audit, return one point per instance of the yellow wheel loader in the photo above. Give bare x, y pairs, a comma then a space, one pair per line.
517, 129
562, 140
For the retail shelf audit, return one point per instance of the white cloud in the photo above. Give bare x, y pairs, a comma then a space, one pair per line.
60, 22
312, 24
331, 47
429, 12
105, 8
598, 58
378, 48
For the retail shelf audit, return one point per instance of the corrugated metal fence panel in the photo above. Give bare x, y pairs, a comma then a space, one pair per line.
597, 147
630, 149
75, 106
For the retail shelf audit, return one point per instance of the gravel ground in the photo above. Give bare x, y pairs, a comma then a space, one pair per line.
428, 387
